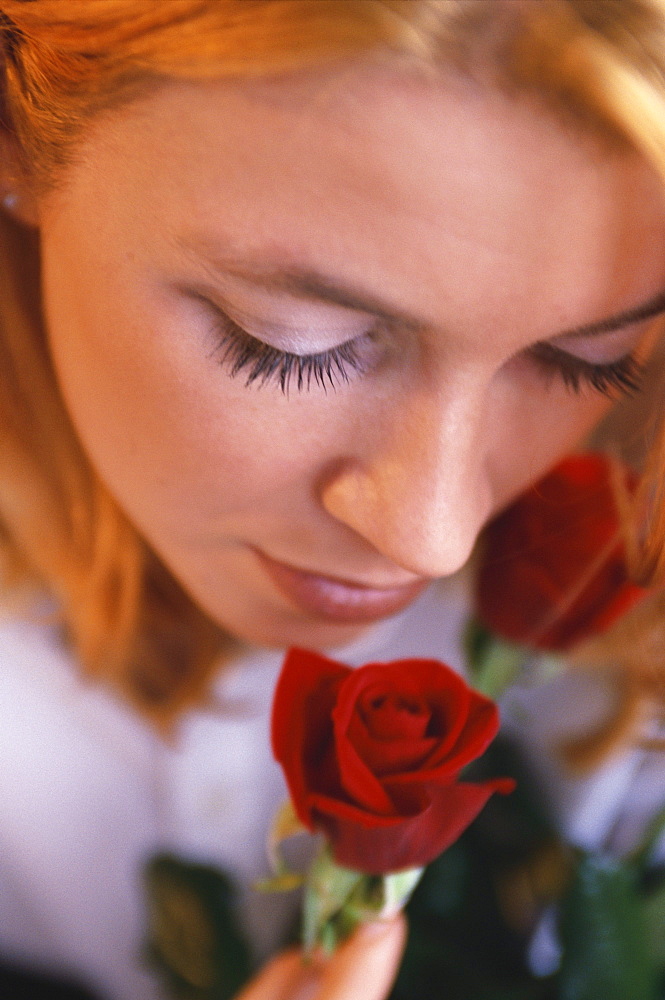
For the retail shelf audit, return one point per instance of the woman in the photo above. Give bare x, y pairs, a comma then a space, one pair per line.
296, 296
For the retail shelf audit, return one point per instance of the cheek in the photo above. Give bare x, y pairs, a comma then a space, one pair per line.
176, 440
545, 422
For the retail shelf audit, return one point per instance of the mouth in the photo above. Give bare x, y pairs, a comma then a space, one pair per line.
336, 600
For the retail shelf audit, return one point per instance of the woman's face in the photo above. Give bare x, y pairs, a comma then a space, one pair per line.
314, 332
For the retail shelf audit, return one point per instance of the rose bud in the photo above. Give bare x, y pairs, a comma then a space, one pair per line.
372, 756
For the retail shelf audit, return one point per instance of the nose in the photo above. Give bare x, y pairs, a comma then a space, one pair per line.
415, 484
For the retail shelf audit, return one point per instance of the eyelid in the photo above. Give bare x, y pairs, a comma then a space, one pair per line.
298, 334
614, 344
622, 376
550, 352
263, 363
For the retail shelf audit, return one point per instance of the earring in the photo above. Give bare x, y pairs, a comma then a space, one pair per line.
10, 201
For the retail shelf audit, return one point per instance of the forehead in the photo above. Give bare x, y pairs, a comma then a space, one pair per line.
446, 192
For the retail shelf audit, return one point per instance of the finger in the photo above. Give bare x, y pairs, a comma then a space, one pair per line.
365, 966
281, 979
362, 969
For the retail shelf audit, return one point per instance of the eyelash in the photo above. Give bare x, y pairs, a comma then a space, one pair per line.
264, 363
332, 368
622, 377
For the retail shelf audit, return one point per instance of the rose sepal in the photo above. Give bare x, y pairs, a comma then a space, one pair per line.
338, 899
285, 824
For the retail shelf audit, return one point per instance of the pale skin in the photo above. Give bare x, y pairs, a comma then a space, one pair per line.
446, 231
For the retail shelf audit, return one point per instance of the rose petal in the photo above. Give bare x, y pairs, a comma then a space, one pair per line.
301, 720
350, 812
389, 715
460, 738
554, 570
385, 757
357, 780
408, 679
420, 679
450, 708
440, 687
409, 842
480, 727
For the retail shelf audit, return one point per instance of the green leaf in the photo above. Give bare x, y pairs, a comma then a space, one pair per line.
654, 908
650, 841
194, 939
604, 935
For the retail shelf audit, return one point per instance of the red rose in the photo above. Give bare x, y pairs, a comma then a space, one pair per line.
372, 756
553, 570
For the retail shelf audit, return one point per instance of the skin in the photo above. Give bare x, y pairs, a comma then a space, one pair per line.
364, 966
481, 224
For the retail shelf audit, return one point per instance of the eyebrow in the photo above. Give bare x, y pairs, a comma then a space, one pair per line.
307, 283
304, 283
637, 314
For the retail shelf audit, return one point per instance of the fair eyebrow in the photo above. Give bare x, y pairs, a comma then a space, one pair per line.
307, 283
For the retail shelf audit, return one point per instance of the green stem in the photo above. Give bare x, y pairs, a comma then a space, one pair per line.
654, 832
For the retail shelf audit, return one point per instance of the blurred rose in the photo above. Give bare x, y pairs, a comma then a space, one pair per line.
553, 568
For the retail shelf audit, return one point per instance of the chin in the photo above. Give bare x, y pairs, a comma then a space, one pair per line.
307, 633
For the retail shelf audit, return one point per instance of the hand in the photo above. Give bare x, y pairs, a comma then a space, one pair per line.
362, 969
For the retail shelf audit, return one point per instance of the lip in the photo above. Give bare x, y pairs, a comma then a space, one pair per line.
336, 600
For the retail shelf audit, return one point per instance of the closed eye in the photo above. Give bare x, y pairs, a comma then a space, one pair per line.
621, 377
262, 363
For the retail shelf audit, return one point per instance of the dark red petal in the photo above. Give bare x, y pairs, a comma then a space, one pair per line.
354, 814
301, 719
356, 778
426, 680
480, 727
553, 564
387, 714
381, 847
429, 681
386, 756
450, 707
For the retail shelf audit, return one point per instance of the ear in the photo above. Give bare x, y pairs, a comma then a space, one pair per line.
17, 197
